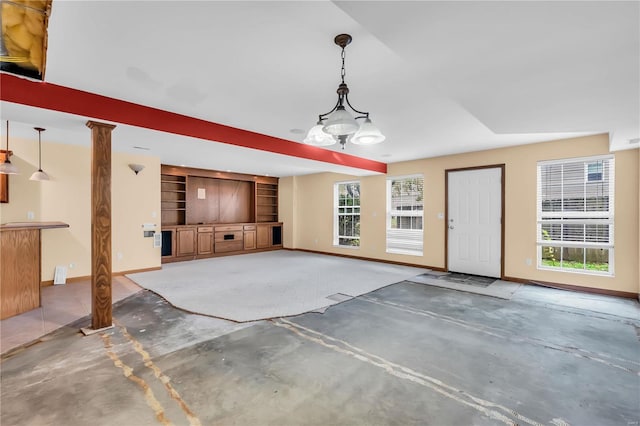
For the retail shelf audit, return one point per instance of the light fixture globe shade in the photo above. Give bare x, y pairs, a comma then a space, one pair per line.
39, 176
340, 122
368, 134
7, 168
317, 137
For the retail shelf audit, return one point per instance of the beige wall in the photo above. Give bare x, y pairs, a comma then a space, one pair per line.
313, 215
67, 198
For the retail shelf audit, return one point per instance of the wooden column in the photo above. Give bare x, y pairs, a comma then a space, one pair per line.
100, 224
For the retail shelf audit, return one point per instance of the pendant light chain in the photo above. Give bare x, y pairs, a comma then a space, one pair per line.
39, 150
342, 71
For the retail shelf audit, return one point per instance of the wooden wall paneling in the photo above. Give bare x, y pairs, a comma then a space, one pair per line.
205, 210
101, 301
235, 201
4, 179
20, 271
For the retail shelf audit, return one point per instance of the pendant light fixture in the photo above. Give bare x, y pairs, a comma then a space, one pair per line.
338, 125
7, 168
39, 175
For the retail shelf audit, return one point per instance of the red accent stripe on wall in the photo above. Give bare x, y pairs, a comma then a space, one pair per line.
90, 105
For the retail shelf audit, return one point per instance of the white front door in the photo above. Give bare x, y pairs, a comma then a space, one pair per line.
474, 221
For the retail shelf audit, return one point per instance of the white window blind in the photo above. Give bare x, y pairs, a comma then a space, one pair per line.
405, 214
575, 215
347, 214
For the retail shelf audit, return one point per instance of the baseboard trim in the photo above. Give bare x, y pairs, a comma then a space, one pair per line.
69, 280
371, 259
113, 274
135, 271
616, 293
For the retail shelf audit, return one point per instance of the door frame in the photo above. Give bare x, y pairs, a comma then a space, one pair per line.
446, 211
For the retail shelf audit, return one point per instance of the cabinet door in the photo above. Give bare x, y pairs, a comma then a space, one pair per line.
185, 241
205, 242
249, 240
263, 236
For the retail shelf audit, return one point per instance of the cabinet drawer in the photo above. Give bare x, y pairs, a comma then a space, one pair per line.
228, 236
249, 227
229, 228
226, 246
205, 228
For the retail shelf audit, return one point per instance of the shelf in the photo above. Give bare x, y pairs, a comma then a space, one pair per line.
174, 190
173, 210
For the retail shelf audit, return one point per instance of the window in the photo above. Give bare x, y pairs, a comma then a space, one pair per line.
575, 215
347, 214
405, 209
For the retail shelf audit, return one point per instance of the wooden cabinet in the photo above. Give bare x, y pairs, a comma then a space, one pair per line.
250, 237
208, 213
205, 240
190, 242
20, 272
229, 238
263, 236
269, 235
185, 241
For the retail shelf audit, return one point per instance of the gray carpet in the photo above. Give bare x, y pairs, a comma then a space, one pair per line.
268, 285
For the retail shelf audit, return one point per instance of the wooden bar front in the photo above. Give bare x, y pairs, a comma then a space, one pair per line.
20, 266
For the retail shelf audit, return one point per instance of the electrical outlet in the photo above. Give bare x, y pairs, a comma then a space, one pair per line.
30, 215
528, 261
72, 265
119, 255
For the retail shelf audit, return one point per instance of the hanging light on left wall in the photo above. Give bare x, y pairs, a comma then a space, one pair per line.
39, 175
7, 168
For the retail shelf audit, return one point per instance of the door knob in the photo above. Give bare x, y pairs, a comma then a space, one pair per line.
451, 227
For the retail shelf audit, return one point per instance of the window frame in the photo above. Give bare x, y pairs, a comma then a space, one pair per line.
336, 215
584, 218
396, 236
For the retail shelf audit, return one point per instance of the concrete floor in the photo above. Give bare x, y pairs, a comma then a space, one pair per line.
405, 354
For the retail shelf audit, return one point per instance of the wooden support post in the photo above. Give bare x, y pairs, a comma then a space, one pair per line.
100, 224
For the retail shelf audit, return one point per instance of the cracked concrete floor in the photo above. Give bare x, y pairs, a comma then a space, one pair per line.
405, 354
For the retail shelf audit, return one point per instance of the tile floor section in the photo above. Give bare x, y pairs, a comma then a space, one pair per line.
61, 305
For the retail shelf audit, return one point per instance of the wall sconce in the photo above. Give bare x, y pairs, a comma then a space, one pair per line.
137, 168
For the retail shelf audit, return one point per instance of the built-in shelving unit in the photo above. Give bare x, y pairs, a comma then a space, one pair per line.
173, 199
207, 213
266, 202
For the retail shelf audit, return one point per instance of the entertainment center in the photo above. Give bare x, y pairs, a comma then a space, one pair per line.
207, 213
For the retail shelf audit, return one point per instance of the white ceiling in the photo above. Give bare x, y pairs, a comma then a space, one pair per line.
437, 77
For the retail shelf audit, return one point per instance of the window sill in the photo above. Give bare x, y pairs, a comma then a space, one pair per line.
578, 271
405, 252
347, 247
